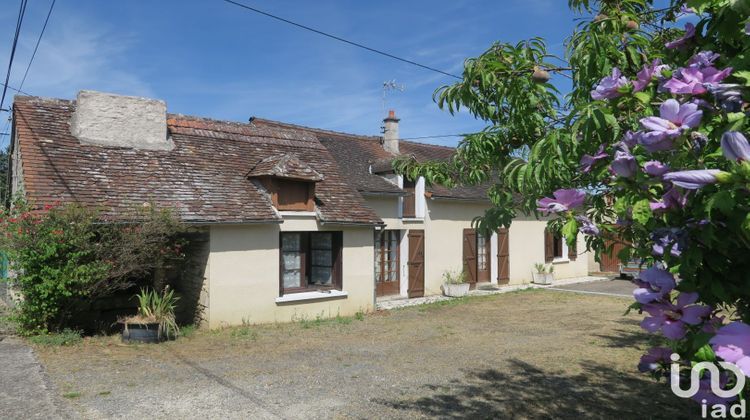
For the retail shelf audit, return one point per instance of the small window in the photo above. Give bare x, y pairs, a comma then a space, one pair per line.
557, 247
387, 256
289, 195
410, 204
310, 261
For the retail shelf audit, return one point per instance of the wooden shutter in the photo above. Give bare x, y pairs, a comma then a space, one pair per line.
410, 205
503, 256
470, 255
573, 251
549, 246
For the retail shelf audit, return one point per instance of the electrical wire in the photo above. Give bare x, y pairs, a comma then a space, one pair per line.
36, 47
338, 38
21, 13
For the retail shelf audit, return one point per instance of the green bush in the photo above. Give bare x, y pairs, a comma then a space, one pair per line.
65, 254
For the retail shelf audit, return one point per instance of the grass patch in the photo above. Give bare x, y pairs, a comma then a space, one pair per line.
72, 395
187, 330
245, 332
320, 320
66, 337
104, 393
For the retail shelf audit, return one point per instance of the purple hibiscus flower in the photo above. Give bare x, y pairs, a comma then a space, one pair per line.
668, 238
672, 319
563, 200
703, 59
683, 40
655, 168
729, 95
624, 164
674, 119
648, 73
653, 284
588, 161
609, 87
695, 179
587, 227
705, 393
655, 358
735, 146
732, 343
630, 139
694, 80
672, 199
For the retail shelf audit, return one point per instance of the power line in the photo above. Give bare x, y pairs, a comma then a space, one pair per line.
36, 47
21, 13
337, 38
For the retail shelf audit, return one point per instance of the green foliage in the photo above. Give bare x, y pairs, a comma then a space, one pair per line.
157, 308
66, 337
63, 255
454, 277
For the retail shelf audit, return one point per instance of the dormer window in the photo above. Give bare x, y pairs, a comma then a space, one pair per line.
289, 182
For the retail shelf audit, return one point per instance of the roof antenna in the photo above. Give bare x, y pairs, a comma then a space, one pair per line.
388, 86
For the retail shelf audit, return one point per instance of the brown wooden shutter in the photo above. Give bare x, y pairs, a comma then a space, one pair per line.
573, 251
470, 255
549, 246
503, 256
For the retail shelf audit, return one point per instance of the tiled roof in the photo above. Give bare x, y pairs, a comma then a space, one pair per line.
204, 178
362, 158
285, 166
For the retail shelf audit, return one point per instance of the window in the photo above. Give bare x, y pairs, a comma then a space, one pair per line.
557, 247
410, 204
387, 256
482, 253
290, 195
310, 261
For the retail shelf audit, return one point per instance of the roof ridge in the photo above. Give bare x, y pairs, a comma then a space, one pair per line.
313, 129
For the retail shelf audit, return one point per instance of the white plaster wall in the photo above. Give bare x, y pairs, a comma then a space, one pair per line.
526, 244
244, 274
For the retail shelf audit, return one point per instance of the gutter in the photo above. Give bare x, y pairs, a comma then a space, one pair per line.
383, 193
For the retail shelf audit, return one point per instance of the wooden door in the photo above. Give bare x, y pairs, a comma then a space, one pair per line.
503, 256
416, 263
483, 258
610, 263
470, 256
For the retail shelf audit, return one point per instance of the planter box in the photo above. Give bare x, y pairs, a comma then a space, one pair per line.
543, 278
141, 333
456, 290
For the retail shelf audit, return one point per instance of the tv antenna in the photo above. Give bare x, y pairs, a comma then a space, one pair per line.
391, 86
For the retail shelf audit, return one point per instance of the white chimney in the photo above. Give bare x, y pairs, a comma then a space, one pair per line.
106, 119
390, 134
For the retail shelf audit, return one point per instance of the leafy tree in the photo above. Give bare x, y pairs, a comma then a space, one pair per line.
649, 147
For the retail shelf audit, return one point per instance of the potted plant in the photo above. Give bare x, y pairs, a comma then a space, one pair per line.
543, 274
454, 284
155, 320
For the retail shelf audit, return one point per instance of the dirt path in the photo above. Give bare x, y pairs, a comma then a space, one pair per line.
533, 354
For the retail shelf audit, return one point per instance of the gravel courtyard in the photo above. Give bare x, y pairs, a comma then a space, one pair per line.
530, 354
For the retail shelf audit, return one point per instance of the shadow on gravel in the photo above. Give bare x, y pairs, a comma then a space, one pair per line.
527, 391
626, 336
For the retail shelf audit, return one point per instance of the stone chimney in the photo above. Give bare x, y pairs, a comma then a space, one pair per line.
390, 134
106, 119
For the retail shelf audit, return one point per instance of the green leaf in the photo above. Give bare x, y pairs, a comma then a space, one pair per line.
744, 75
570, 231
723, 201
642, 212
643, 97
705, 354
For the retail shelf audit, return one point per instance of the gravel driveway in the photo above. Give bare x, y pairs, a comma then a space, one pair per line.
531, 354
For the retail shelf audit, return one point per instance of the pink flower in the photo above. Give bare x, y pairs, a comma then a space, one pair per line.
674, 119
654, 284
609, 87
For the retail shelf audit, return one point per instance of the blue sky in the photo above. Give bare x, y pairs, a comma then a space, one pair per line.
209, 58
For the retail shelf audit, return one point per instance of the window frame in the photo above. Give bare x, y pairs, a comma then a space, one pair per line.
306, 262
276, 188
383, 247
559, 242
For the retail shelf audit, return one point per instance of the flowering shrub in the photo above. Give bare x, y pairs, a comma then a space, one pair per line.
63, 254
650, 148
